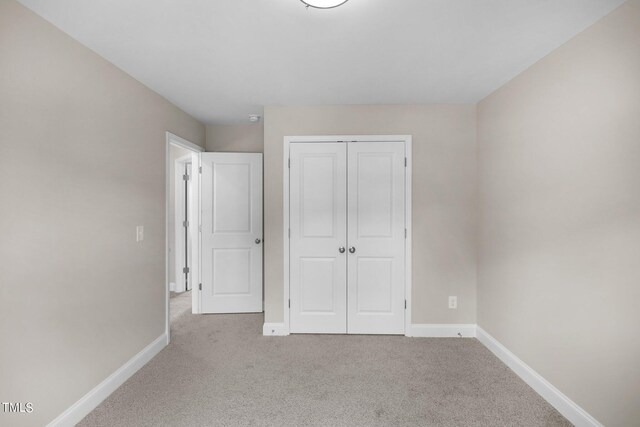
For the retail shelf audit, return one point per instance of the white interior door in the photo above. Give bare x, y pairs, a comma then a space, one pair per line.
318, 263
376, 237
347, 196
231, 237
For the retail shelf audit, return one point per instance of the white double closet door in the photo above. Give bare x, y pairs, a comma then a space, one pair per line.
347, 237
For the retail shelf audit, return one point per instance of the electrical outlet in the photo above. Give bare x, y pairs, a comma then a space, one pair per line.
453, 302
139, 233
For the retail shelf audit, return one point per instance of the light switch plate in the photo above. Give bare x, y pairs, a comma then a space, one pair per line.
139, 233
453, 302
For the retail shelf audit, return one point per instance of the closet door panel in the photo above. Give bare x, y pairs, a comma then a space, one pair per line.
318, 270
376, 235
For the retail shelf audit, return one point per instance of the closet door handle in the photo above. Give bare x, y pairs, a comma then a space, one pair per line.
258, 241
341, 249
352, 249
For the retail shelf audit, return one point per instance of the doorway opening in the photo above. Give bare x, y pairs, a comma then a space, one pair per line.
180, 156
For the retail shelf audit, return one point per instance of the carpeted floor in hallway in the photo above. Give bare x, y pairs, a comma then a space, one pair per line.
179, 303
220, 371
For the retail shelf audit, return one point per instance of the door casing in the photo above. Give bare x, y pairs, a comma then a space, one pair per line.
180, 246
406, 139
171, 139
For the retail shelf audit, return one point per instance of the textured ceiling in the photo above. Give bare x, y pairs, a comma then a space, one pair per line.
221, 60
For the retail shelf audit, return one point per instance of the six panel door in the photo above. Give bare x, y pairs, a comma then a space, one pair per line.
231, 238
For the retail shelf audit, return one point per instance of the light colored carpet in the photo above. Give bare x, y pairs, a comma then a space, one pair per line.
179, 303
220, 371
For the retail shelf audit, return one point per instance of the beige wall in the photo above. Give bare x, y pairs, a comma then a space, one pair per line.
444, 197
247, 138
82, 162
559, 219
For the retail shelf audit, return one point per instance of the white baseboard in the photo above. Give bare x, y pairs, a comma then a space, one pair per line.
415, 330
571, 411
274, 329
91, 400
172, 286
441, 330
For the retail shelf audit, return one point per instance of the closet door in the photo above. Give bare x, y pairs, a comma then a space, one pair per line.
376, 235
318, 257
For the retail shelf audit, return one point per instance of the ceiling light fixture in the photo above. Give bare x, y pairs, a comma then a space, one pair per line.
324, 4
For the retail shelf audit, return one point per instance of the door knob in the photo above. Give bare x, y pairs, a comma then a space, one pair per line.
352, 249
341, 249
258, 241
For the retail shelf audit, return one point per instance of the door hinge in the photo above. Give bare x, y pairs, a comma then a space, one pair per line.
199, 286
185, 177
405, 162
200, 169
405, 233
185, 224
289, 233
289, 163
289, 303
405, 304
185, 270
200, 228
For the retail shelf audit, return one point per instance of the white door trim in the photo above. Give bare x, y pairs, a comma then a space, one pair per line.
406, 139
170, 139
179, 199
195, 217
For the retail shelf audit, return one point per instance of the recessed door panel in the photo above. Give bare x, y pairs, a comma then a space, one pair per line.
374, 283
374, 194
318, 270
317, 208
231, 197
231, 234
316, 291
232, 271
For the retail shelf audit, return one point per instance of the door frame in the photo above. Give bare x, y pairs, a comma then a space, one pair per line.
170, 139
406, 139
180, 198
